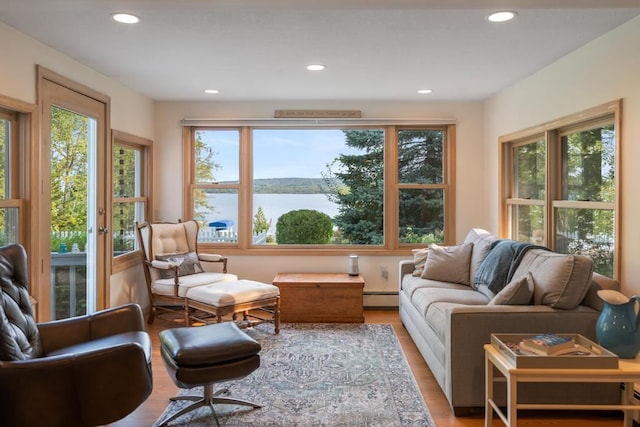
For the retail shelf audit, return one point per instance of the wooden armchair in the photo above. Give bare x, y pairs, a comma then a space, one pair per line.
172, 265
177, 281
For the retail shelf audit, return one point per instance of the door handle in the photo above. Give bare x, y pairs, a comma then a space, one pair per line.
103, 230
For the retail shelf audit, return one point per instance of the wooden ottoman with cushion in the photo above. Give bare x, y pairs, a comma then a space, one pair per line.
248, 297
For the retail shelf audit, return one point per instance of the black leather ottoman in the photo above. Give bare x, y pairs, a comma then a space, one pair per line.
205, 355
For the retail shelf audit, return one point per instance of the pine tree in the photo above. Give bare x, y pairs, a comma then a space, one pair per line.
359, 190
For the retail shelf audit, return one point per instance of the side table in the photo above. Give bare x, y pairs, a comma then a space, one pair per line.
628, 372
320, 297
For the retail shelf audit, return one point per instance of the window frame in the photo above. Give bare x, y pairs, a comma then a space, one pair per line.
145, 146
20, 115
551, 133
391, 246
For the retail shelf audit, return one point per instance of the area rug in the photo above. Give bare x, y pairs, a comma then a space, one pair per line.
338, 375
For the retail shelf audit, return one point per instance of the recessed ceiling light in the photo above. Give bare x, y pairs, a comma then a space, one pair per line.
502, 16
425, 91
125, 18
211, 91
315, 67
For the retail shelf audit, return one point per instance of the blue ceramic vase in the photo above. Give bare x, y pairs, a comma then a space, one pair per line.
617, 327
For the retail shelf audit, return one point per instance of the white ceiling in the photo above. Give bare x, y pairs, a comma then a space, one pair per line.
373, 49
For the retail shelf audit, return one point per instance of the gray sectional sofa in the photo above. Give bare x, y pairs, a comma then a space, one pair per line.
452, 305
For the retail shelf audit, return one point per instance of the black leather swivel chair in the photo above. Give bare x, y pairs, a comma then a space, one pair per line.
84, 371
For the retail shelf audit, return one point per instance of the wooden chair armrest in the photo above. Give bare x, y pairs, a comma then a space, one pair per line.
214, 258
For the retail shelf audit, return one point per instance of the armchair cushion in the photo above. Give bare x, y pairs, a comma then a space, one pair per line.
167, 286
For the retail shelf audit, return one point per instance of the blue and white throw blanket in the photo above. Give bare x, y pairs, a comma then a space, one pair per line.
497, 269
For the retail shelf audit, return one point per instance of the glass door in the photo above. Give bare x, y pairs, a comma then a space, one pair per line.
73, 132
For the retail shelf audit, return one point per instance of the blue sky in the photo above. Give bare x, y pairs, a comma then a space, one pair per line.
300, 153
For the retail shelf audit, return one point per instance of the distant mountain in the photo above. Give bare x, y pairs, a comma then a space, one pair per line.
290, 186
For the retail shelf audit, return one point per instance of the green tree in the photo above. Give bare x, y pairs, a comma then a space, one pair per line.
205, 166
304, 226
359, 188
124, 185
260, 223
421, 161
68, 170
590, 177
531, 172
355, 182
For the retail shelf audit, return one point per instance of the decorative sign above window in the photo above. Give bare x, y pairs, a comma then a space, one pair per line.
315, 114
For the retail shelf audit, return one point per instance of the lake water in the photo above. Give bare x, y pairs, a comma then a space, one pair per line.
273, 205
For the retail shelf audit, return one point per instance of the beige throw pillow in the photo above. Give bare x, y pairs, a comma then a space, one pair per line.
419, 258
517, 292
560, 280
448, 263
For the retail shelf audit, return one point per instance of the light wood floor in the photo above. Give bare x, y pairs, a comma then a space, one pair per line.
164, 388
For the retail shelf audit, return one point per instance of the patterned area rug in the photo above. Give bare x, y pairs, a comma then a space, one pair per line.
338, 375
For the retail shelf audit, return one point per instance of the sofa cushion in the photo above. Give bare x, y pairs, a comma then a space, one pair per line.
560, 280
518, 292
419, 258
411, 283
448, 263
424, 297
482, 241
437, 318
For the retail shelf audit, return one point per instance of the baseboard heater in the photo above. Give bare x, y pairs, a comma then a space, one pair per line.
381, 299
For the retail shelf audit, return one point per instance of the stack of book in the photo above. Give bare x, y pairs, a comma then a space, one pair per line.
549, 344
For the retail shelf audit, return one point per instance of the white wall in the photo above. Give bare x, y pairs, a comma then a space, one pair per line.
130, 112
470, 198
604, 70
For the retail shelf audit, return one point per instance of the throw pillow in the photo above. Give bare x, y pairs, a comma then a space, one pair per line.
517, 292
419, 258
561, 280
448, 263
482, 243
190, 264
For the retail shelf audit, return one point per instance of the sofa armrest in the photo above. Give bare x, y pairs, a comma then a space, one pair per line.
64, 333
406, 266
470, 327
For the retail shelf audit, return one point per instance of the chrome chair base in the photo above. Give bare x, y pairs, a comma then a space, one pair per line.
208, 399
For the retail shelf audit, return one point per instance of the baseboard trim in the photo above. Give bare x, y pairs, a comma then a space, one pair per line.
380, 300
